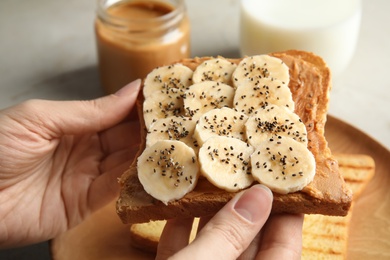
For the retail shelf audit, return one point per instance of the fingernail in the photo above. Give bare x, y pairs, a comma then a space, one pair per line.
254, 203
129, 88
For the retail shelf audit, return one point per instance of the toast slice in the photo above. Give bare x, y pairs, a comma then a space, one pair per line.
327, 194
146, 236
323, 237
326, 237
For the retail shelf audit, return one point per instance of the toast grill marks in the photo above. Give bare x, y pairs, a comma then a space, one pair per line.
327, 194
326, 237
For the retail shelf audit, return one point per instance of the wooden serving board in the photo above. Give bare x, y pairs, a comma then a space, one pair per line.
103, 236
369, 236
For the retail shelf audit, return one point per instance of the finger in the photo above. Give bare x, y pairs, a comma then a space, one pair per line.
174, 237
282, 237
251, 251
202, 222
105, 187
120, 137
233, 228
119, 157
52, 119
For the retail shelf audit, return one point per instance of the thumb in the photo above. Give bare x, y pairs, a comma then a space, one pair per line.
58, 118
233, 228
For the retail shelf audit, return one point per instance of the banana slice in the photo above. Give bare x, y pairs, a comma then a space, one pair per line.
254, 95
283, 165
205, 96
225, 162
168, 170
259, 67
220, 122
218, 69
272, 122
166, 79
162, 106
173, 128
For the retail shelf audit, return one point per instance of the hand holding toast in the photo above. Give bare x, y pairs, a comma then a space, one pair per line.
59, 161
240, 230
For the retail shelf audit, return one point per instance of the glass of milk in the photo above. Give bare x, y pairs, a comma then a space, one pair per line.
329, 28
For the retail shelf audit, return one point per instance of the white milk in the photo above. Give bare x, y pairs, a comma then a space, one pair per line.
328, 28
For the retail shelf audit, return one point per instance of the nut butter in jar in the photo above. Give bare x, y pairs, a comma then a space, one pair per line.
134, 36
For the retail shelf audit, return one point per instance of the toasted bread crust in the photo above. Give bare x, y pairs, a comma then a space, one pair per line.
324, 237
327, 194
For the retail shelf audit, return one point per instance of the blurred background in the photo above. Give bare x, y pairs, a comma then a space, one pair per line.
47, 48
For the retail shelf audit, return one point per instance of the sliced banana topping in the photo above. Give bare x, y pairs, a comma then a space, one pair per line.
168, 170
284, 165
225, 162
259, 67
254, 95
220, 122
176, 78
210, 122
274, 121
205, 96
173, 128
218, 69
162, 106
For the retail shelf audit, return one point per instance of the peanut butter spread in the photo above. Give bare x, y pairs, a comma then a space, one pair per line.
326, 194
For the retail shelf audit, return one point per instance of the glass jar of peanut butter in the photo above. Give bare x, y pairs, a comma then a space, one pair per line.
135, 36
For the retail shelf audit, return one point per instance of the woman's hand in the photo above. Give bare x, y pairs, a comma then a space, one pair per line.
60, 160
242, 229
